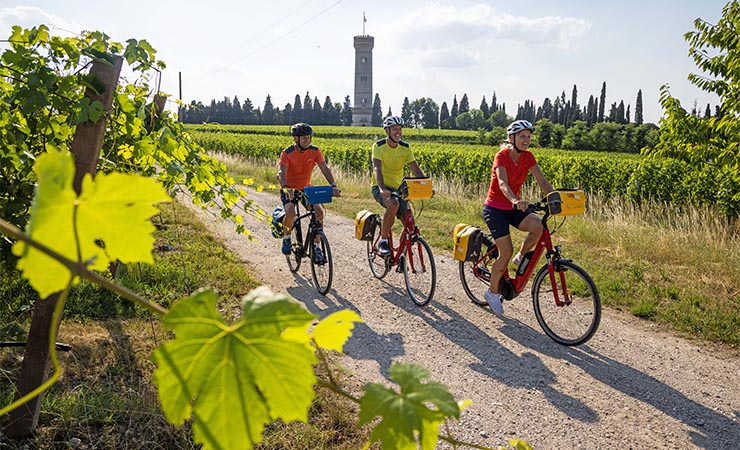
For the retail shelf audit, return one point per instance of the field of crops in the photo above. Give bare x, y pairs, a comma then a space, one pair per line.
455, 156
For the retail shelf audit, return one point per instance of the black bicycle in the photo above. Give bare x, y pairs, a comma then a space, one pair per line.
322, 266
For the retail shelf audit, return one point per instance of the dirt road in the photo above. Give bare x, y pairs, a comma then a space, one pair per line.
631, 386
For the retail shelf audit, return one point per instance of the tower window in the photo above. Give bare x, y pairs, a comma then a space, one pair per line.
363, 59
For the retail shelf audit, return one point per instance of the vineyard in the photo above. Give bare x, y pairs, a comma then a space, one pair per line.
456, 156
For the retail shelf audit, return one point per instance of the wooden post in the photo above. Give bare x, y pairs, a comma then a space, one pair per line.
86, 145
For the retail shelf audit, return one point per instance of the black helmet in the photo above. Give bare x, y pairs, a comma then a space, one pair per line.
301, 129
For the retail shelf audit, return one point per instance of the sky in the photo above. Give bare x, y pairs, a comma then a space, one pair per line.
520, 51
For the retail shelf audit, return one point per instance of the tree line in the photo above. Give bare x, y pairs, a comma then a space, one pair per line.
561, 122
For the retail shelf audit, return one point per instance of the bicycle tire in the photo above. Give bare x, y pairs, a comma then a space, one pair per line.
573, 323
379, 265
322, 272
474, 285
421, 283
296, 248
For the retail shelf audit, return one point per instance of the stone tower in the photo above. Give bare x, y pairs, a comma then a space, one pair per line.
363, 104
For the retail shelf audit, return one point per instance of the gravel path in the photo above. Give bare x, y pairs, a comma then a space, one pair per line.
629, 387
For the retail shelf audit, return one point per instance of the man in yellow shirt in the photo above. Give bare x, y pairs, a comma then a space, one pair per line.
390, 156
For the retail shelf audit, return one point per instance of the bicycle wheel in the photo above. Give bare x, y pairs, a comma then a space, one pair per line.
296, 248
420, 272
378, 264
323, 270
475, 279
575, 321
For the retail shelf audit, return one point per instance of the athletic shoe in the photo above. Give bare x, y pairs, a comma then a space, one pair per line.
494, 301
318, 255
286, 245
384, 249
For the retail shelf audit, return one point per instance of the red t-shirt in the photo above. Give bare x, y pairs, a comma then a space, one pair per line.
300, 165
516, 173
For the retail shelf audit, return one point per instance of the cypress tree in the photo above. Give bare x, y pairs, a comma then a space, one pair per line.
346, 115
268, 112
406, 112
376, 119
317, 112
298, 115
484, 108
638, 108
444, 116
602, 103
464, 104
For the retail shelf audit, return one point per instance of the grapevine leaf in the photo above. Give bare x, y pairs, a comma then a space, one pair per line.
110, 218
334, 330
233, 379
418, 409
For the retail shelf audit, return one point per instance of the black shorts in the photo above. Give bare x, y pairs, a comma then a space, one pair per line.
403, 205
499, 220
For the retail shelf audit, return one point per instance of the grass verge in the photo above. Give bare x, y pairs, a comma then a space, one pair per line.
106, 399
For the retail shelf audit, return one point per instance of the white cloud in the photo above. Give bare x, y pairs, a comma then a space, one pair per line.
481, 25
30, 16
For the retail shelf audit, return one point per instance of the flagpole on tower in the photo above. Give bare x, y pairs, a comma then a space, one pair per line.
363, 23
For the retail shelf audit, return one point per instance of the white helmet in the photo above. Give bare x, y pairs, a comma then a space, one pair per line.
392, 120
519, 125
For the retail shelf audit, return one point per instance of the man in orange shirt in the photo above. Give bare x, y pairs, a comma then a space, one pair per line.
294, 173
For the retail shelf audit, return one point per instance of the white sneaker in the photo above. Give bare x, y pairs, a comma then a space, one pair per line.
494, 301
517, 260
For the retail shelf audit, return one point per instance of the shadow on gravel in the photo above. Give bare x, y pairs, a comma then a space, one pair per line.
708, 428
365, 343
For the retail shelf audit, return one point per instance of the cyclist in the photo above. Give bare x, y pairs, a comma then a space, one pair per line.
389, 157
504, 206
294, 173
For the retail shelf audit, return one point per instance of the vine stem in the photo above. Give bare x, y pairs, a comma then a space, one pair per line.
79, 269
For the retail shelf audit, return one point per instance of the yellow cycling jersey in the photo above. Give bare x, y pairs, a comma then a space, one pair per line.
394, 161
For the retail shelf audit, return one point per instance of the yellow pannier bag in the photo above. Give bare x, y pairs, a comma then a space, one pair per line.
416, 188
467, 241
566, 202
365, 223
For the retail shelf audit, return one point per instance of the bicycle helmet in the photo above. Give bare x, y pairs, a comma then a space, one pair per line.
392, 120
519, 125
301, 129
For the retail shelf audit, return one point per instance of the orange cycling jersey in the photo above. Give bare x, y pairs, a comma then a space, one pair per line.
299, 165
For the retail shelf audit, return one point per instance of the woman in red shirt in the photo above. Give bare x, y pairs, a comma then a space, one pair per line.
504, 207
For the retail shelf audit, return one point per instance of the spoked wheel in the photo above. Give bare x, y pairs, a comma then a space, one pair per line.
575, 321
420, 272
379, 265
296, 249
322, 269
475, 278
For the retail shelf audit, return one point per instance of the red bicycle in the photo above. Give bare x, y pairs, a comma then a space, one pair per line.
412, 256
566, 301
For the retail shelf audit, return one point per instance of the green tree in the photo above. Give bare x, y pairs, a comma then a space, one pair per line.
544, 132
377, 115
638, 108
464, 104
268, 112
406, 112
499, 118
715, 141
444, 117
298, 115
346, 114
577, 137
484, 108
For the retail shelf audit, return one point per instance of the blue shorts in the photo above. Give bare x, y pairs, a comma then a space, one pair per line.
499, 220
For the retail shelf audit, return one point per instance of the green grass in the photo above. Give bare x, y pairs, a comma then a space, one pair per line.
106, 397
675, 268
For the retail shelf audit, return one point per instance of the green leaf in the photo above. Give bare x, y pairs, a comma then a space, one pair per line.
334, 330
418, 409
110, 218
233, 379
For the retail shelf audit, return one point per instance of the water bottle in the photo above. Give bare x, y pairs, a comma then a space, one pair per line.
524, 263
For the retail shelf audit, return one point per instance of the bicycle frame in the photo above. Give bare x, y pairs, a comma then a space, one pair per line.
519, 282
405, 243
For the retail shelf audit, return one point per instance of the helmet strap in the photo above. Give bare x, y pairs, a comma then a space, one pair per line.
388, 133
